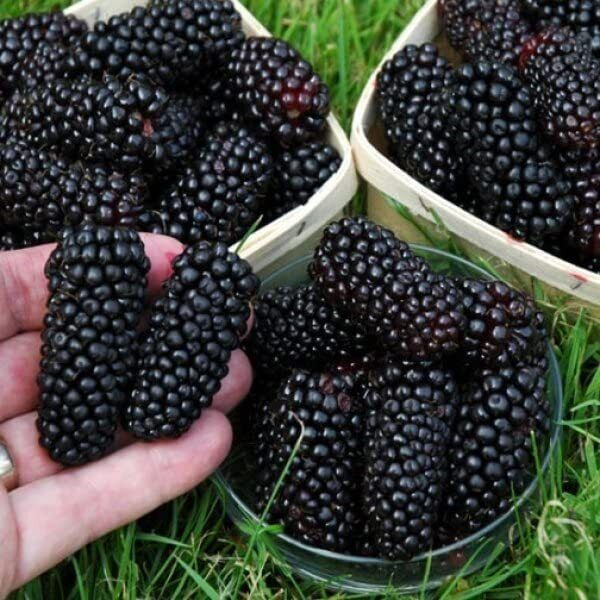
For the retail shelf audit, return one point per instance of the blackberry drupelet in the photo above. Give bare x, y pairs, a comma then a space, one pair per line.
297, 327
97, 279
503, 324
276, 90
172, 42
317, 501
298, 174
20, 37
408, 93
363, 270
410, 407
194, 328
125, 124
40, 192
220, 196
565, 79
491, 454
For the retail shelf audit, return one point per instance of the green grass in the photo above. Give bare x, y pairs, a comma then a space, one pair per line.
188, 548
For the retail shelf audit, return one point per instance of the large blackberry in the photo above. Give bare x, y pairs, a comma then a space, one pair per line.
520, 189
298, 174
20, 37
97, 279
276, 90
41, 192
491, 453
220, 195
365, 271
193, 330
503, 324
296, 327
317, 502
170, 41
486, 29
579, 15
125, 124
565, 79
410, 411
408, 93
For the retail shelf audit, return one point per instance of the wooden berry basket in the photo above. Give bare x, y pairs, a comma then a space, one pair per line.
275, 243
417, 214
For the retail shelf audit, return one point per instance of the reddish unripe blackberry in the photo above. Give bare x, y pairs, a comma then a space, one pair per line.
20, 37
502, 324
317, 502
221, 195
277, 90
298, 174
410, 407
171, 42
408, 94
366, 272
503, 410
125, 124
97, 279
42, 192
565, 80
194, 328
297, 327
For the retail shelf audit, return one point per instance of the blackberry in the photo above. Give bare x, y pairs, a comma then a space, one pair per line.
491, 454
408, 93
170, 41
276, 90
124, 124
297, 327
10, 238
299, 173
583, 235
194, 328
317, 501
503, 324
579, 15
486, 29
97, 278
42, 192
410, 412
520, 188
565, 79
20, 37
366, 272
221, 195
48, 62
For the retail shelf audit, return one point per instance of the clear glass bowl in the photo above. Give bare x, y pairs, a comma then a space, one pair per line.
430, 569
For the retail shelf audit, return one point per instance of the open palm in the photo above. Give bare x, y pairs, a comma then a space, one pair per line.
54, 512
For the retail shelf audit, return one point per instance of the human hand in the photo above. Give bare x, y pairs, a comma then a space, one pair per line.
53, 512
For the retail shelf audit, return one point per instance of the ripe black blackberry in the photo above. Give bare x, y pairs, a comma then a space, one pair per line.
194, 328
172, 42
317, 501
125, 124
579, 15
298, 174
277, 91
503, 324
297, 327
408, 93
97, 279
486, 29
42, 192
219, 196
565, 79
490, 111
363, 270
20, 37
410, 407
491, 454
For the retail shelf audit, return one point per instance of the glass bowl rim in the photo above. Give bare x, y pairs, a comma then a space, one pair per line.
556, 382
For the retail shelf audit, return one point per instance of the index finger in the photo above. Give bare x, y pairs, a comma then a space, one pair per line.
23, 285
